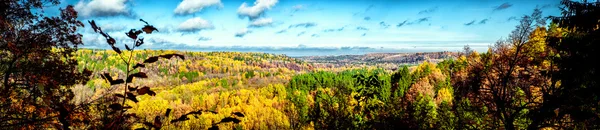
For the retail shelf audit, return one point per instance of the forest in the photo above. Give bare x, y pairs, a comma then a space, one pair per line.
541, 76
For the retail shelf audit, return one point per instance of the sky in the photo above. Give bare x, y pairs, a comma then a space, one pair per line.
308, 27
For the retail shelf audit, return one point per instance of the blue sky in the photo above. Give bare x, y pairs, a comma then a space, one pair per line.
384, 25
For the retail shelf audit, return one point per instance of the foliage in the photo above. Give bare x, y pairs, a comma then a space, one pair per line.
540, 77
571, 98
38, 67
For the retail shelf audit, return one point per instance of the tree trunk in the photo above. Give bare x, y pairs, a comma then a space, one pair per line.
63, 114
7, 74
509, 123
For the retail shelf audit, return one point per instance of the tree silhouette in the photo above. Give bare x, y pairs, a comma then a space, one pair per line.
119, 117
37, 66
504, 79
574, 93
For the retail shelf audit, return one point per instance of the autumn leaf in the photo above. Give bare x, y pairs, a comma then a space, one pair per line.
139, 75
230, 119
145, 90
180, 56
133, 33
116, 49
168, 112
118, 81
127, 47
119, 95
111, 41
131, 97
199, 112
93, 23
214, 127
138, 65
168, 56
149, 28
132, 88
115, 106
157, 122
151, 93
106, 76
139, 42
151, 59
238, 114
181, 118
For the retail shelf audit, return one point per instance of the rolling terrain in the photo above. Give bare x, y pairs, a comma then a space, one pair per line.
389, 61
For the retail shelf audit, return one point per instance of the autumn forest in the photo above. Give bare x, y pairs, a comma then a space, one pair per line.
543, 75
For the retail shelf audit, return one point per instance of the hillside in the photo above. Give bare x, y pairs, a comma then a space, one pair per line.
542, 76
389, 61
184, 85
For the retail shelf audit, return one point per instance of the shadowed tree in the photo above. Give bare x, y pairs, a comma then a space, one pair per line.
38, 66
504, 79
573, 96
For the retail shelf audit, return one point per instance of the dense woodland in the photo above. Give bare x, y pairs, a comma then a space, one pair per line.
542, 76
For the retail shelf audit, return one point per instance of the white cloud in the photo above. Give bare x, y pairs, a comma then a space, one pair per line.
192, 6
102, 8
259, 8
261, 22
195, 24
242, 32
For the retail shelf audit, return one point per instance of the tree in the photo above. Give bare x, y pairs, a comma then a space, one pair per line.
505, 79
574, 93
401, 81
37, 66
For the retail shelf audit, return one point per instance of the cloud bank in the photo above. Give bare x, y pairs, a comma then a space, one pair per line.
253, 12
242, 32
193, 6
103, 8
195, 24
261, 22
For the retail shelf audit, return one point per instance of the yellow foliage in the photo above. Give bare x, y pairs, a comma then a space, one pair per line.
444, 94
263, 107
537, 42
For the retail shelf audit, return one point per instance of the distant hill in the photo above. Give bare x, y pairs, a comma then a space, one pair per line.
385, 60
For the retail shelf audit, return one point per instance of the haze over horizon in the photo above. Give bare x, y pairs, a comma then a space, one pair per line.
311, 27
